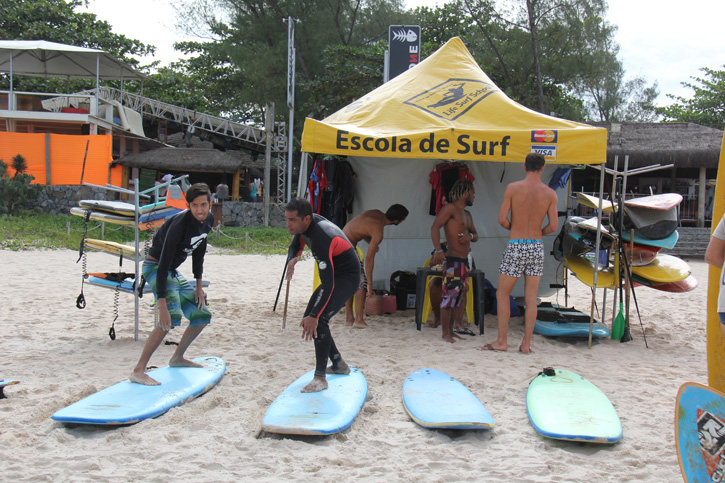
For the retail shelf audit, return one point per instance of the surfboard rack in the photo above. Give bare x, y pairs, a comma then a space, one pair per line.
137, 195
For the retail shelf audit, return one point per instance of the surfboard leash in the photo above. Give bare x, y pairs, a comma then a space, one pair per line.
112, 330
81, 299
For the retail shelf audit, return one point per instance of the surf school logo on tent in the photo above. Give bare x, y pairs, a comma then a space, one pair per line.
453, 98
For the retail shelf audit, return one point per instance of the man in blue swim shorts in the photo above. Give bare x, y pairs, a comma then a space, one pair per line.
527, 202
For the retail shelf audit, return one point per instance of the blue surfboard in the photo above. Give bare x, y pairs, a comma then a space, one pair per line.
127, 284
554, 320
667, 242
434, 399
700, 432
317, 413
564, 405
570, 329
129, 403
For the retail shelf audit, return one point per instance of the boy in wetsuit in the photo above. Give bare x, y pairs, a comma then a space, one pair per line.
182, 234
457, 224
339, 269
528, 201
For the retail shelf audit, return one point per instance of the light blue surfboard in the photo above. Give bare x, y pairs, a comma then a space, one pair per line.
667, 242
570, 329
317, 413
129, 403
700, 432
127, 285
563, 405
434, 399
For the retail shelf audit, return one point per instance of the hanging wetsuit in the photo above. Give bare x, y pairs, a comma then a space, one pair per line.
442, 179
339, 269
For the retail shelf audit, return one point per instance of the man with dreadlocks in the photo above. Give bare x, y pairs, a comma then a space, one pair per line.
528, 201
458, 227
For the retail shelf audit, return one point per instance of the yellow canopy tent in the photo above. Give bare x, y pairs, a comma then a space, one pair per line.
444, 109
447, 107
715, 352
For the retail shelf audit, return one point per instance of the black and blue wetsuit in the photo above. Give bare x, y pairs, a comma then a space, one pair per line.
339, 269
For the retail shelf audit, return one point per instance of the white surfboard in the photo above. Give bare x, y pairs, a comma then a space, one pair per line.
434, 399
317, 413
563, 405
129, 403
120, 207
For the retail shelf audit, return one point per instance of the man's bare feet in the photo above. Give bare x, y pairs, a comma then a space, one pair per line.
317, 385
144, 379
526, 351
359, 325
448, 339
181, 362
342, 368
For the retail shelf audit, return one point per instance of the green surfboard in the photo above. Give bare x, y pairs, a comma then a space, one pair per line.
564, 405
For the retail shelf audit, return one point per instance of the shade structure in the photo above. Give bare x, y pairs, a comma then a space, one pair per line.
51, 59
446, 107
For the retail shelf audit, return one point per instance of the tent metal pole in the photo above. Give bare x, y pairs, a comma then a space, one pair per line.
11, 97
98, 85
137, 279
596, 256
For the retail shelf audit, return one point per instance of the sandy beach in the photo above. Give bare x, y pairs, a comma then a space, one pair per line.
62, 354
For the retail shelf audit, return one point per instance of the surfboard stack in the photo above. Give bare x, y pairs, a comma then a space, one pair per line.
121, 213
649, 225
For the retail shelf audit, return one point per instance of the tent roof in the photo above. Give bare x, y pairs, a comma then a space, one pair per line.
446, 107
51, 59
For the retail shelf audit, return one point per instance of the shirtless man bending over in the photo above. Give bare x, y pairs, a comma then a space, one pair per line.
528, 201
458, 227
368, 226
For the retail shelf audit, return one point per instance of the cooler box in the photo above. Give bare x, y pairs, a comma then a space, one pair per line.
402, 284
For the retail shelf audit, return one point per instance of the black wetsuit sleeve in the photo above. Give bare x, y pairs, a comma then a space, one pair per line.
197, 260
295, 248
168, 252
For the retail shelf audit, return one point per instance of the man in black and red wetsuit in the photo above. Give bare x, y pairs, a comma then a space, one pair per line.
339, 269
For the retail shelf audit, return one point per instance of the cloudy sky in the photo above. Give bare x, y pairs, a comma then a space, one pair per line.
666, 41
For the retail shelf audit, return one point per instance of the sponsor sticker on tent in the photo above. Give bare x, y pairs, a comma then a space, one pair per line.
544, 136
546, 150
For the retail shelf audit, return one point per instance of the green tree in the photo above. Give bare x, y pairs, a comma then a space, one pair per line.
17, 191
244, 64
707, 105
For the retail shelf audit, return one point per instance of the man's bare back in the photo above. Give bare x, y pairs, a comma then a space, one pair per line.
365, 226
368, 226
529, 201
